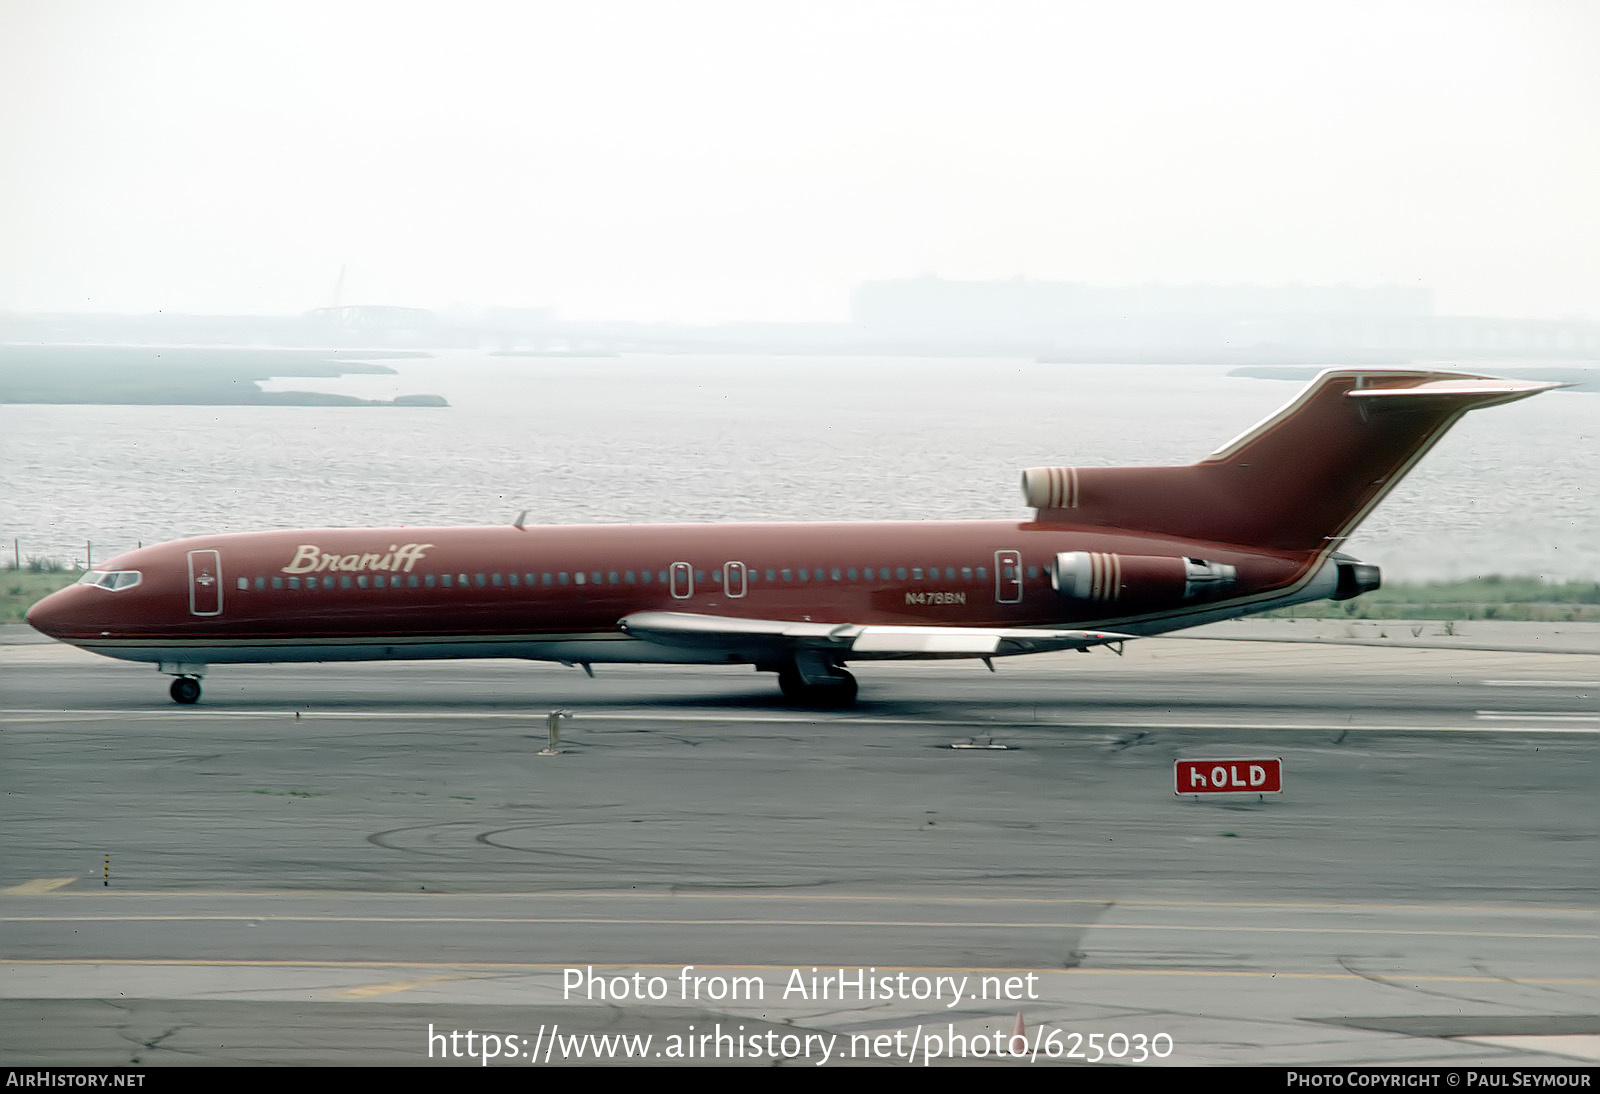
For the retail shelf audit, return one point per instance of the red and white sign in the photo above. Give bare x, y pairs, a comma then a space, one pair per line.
1227, 776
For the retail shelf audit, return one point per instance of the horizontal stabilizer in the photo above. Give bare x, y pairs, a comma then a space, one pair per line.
1482, 390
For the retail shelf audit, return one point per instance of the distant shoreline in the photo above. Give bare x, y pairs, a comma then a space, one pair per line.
186, 376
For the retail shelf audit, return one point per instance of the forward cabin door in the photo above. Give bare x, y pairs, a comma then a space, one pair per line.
1008, 577
205, 583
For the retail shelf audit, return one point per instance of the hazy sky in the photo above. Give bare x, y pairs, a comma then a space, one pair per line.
753, 159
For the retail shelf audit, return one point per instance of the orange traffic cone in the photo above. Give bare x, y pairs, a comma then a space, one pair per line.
1019, 1038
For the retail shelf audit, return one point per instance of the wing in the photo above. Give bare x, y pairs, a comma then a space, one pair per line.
854, 641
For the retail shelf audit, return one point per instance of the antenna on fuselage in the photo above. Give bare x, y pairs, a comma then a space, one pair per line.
521, 517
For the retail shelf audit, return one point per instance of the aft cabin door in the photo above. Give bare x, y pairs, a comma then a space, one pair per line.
1008, 577
205, 583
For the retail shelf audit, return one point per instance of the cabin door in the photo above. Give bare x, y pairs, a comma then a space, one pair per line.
1008, 577
734, 580
680, 577
205, 583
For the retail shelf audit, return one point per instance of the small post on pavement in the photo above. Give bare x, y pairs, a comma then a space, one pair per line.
553, 725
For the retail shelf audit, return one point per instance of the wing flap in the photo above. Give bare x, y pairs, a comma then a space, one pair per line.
687, 628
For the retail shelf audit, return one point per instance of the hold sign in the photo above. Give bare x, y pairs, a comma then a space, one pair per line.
1228, 776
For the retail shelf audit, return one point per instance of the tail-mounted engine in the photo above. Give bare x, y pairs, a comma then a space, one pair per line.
1109, 578
1050, 487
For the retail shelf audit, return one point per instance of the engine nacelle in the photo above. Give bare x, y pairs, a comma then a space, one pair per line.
1108, 578
1050, 487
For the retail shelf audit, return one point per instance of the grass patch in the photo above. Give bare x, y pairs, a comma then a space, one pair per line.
21, 589
1493, 597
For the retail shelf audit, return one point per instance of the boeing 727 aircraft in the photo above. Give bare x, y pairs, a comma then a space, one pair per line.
1111, 553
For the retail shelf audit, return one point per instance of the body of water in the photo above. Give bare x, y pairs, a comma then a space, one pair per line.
1512, 490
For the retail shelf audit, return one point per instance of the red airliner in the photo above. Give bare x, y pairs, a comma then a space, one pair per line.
1111, 553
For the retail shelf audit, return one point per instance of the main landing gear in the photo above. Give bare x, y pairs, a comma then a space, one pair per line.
816, 683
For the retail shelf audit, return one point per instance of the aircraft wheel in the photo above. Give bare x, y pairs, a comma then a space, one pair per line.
839, 691
185, 689
789, 682
843, 694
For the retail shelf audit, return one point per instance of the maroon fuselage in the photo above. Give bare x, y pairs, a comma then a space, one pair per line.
580, 580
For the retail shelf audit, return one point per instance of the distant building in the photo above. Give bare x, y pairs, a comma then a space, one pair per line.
375, 325
1157, 322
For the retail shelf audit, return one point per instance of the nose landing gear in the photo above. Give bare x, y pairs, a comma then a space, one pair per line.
186, 675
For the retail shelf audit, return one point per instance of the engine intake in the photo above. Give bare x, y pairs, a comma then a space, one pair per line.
1050, 487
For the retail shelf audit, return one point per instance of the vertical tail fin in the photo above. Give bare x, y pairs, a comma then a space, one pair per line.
1301, 481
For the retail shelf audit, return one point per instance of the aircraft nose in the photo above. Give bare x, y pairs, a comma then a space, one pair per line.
53, 615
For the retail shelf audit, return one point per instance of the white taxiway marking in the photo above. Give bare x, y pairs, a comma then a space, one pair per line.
1542, 715
1541, 683
811, 718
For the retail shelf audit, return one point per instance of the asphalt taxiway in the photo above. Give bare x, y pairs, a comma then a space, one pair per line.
318, 864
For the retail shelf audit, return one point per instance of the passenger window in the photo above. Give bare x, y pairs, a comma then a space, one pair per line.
1033, 572
411, 582
509, 577
428, 581
580, 578
244, 583
277, 582
294, 583
344, 582
788, 575
261, 583
804, 574
562, 577
900, 573
477, 579
851, 573
548, 579
630, 577
597, 578
380, 582
983, 573
699, 577
613, 576
772, 575
445, 580
916, 573
835, 573
661, 576
362, 581
716, 575
966, 572
462, 579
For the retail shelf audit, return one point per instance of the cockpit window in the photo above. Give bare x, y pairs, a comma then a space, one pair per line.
115, 580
